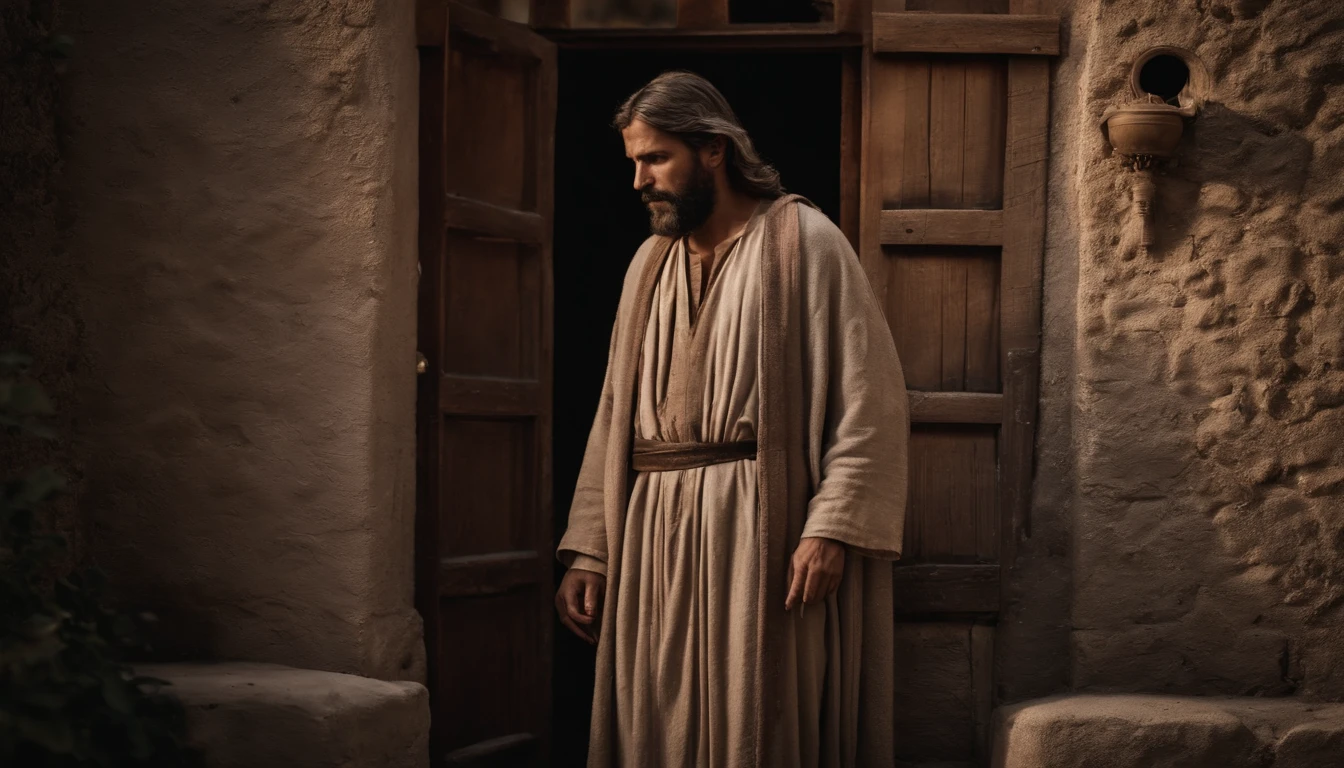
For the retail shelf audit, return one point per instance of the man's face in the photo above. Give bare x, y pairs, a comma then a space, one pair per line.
672, 179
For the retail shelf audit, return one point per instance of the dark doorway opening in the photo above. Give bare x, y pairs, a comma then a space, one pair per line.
790, 103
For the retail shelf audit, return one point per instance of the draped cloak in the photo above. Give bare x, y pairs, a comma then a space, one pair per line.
832, 433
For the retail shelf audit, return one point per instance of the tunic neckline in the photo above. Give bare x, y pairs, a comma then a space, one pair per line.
692, 276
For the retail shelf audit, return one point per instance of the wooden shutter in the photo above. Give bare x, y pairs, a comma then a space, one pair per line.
952, 230
484, 524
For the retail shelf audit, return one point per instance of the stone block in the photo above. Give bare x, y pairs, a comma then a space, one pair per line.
1122, 732
1147, 731
244, 715
1318, 744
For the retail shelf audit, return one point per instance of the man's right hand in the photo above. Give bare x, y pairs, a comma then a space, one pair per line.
579, 602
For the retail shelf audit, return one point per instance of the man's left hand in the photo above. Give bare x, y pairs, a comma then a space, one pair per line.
814, 571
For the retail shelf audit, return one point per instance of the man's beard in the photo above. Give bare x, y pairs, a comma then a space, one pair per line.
686, 211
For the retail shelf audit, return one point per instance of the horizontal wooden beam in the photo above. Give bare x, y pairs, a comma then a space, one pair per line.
493, 220
965, 33
924, 589
502, 36
736, 37
505, 750
488, 574
480, 396
955, 407
701, 14
933, 226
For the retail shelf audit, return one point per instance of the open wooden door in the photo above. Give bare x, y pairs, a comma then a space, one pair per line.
488, 90
953, 220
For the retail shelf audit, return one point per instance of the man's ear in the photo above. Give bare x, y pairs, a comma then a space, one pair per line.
715, 153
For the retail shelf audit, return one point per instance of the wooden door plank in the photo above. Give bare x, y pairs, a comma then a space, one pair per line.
940, 589
955, 407
982, 689
503, 37
493, 221
982, 325
1017, 445
489, 396
986, 104
934, 226
911, 180
914, 310
851, 143
1024, 200
953, 487
947, 112
513, 749
476, 575
701, 14
953, 366
965, 33
428, 437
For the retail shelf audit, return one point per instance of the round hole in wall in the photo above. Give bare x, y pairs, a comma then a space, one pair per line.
1164, 76
1174, 75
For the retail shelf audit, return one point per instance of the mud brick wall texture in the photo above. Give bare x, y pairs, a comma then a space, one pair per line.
1193, 397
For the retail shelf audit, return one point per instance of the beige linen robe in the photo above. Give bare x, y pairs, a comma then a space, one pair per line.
698, 663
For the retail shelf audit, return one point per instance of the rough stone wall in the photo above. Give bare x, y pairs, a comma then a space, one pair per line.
1197, 390
245, 177
39, 314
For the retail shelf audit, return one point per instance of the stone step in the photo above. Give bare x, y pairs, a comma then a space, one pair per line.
1142, 731
243, 715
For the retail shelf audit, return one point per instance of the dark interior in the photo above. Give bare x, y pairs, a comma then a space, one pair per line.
790, 104
772, 11
1164, 76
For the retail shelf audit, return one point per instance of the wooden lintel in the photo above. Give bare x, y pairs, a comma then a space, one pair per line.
932, 226
504, 37
475, 396
492, 220
488, 574
965, 33
922, 589
702, 14
955, 407
736, 37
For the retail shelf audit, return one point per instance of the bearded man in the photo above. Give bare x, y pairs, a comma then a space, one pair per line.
743, 490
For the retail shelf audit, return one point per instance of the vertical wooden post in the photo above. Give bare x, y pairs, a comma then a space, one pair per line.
851, 143
1024, 212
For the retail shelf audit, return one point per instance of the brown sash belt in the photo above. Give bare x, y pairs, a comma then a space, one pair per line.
653, 456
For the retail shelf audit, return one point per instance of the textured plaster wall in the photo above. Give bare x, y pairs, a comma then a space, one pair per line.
1193, 398
38, 308
244, 176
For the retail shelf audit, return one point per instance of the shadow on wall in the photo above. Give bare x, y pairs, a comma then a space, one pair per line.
245, 179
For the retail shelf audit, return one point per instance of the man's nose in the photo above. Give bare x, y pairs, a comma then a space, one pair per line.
642, 179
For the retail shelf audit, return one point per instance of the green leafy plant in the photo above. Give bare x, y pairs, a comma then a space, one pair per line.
66, 696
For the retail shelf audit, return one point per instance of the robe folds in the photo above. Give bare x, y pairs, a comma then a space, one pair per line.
698, 663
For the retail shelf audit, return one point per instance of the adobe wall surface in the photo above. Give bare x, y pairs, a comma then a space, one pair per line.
39, 313
244, 175
1191, 410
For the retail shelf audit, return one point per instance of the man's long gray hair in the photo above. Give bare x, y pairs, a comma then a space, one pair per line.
689, 107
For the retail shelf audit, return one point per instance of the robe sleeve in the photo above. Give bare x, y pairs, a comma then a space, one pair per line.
854, 394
